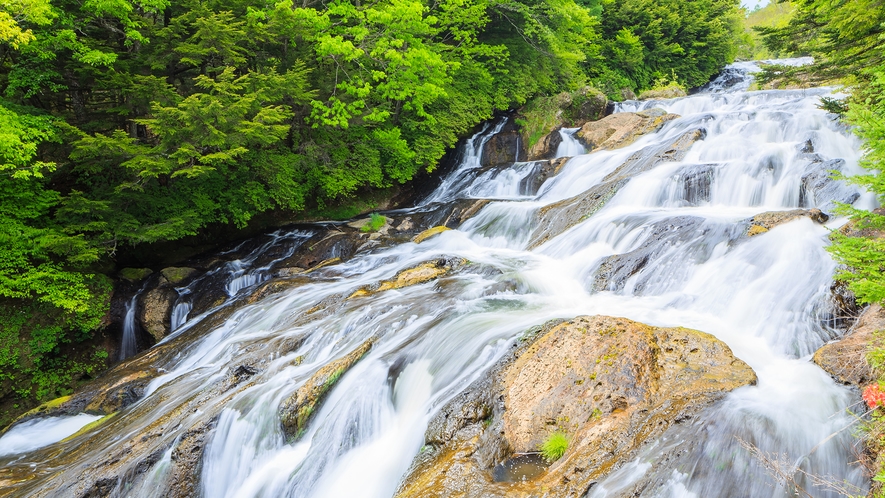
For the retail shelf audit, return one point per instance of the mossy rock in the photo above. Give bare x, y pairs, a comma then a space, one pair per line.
176, 274
419, 274
297, 409
135, 274
91, 425
430, 232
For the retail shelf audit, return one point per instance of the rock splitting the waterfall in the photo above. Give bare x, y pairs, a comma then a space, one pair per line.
621, 129
558, 217
570, 110
764, 222
611, 384
155, 309
846, 359
545, 148
430, 232
418, 274
503, 148
297, 409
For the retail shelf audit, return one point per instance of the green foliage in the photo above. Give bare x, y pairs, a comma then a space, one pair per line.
835, 106
376, 221
555, 446
845, 37
644, 40
664, 88
775, 15
864, 257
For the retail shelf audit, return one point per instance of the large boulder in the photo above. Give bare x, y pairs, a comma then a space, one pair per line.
558, 217
608, 384
622, 129
155, 311
504, 148
846, 360
545, 147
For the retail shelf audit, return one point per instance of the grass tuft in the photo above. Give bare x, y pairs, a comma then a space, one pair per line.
554, 446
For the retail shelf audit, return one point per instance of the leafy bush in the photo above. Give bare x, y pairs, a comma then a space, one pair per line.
376, 221
555, 446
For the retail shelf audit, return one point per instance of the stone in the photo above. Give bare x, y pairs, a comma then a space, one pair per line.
155, 309
419, 274
122, 392
176, 275
610, 384
846, 359
503, 148
296, 410
135, 274
430, 232
764, 222
619, 130
545, 148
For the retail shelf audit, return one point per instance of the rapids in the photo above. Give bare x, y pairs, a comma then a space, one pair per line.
766, 297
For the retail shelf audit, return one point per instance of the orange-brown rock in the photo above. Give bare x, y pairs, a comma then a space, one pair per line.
619, 130
610, 384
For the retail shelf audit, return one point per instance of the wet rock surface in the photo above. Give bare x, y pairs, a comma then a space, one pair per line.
156, 307
296, 410
546, 147
609, 383
558, 217
622, 129
764, 222
846, 359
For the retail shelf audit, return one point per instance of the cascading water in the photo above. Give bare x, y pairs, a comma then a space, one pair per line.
128, 346
678, 225
569, 146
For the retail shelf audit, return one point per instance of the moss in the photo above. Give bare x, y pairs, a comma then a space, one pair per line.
91, 425
135, 274
177, 274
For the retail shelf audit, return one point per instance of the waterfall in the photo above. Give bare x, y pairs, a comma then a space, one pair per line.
569, 146
128, 346
668, 248
469, 165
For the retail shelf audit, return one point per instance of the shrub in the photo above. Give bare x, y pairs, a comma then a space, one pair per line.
376, 221
554, 446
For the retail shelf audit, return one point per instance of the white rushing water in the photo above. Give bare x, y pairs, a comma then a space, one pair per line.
38, 433
764, 296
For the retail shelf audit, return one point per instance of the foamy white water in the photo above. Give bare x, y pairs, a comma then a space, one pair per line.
37, 433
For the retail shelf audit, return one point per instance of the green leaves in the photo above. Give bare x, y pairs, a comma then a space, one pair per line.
20, 134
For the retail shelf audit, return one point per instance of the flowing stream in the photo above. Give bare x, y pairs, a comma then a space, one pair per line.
765, 296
